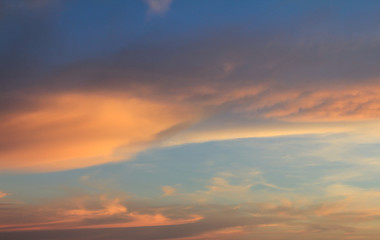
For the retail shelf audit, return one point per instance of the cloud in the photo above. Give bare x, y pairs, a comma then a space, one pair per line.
158, 7
76, 130
226, 84
226, 186
85, 212
168, 190
109, 208
300, 76
104, 217
3, 194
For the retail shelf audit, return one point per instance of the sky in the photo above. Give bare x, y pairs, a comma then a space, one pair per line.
189, 120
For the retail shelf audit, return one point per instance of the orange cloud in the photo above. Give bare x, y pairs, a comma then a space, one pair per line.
75, 130
267, 220
227, 233
91, 212
264, 111
3, 194
346, 104
109, 207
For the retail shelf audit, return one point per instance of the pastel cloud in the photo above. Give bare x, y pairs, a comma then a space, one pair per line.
240, 187
168, 190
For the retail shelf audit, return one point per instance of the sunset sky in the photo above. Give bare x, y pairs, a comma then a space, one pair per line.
189, 120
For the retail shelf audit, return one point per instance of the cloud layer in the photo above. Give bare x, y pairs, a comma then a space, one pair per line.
186, 120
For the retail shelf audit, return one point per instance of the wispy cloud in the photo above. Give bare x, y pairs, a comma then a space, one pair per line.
114, 218
86, 212
168, 190
158, 7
